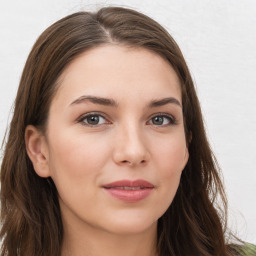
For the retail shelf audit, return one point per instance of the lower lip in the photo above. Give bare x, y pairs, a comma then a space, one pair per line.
129, 195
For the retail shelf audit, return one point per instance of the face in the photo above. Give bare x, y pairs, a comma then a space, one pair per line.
115, 144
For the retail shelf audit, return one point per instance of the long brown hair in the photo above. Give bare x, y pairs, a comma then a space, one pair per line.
194, 224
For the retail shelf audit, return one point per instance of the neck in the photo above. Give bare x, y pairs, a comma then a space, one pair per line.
90, 241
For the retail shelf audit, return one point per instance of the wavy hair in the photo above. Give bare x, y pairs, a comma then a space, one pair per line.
194, 224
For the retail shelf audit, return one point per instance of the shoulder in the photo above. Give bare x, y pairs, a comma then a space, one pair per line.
249, 250
246, 249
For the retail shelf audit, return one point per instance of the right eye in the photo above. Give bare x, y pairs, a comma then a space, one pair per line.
93, 120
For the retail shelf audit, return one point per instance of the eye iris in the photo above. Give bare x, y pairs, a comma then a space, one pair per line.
93, 120
158, 120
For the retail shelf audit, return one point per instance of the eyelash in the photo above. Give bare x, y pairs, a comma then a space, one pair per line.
92, 114
171, 119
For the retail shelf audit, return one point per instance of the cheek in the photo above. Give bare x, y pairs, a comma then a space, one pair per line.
76, 159
75, 165
172, 156
171, 160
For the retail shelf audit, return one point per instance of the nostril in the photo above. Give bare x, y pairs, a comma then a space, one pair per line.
131, 163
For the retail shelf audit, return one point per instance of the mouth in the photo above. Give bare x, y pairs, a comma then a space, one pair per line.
129, 191
127, 188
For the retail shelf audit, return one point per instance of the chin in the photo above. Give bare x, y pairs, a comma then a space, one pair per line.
132, 225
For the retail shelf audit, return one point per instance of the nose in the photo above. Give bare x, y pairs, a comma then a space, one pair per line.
130, 147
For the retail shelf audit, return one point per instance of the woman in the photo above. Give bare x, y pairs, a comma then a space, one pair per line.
107, 152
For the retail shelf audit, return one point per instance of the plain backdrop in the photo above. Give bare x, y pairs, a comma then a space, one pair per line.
218, 39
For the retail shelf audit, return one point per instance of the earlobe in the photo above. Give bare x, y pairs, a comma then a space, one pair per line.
186, 157
37, 150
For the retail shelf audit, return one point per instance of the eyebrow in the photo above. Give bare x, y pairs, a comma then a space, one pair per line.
112, 103
165, 101
95, 100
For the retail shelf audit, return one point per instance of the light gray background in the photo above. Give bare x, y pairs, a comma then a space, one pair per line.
218, 39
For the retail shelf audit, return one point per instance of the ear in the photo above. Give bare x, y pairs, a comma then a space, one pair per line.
187, 147
37, 150
186, 157
190, 137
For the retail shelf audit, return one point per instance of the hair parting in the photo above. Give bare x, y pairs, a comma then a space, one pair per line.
194, 224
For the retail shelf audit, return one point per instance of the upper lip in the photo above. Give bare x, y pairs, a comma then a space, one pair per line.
129, 183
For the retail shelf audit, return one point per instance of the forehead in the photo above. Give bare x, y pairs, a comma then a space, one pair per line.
118, 71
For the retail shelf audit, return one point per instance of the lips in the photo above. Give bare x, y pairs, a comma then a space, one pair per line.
129, 191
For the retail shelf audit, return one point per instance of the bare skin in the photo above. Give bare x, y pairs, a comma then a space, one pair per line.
143, 244
116, 116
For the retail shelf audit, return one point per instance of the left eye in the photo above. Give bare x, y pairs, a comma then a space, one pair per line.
161, 120
93, 120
